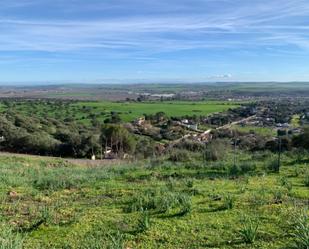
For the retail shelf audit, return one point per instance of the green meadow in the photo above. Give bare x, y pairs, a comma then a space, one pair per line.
131, 110
128, 111
50, 203
263, 131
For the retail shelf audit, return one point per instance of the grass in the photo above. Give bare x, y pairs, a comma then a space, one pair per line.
301, 230
130, 110
84, 111
264, 131
295, 122
48, 203
249, 231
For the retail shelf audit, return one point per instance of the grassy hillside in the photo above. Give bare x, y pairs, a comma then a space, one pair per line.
50, 203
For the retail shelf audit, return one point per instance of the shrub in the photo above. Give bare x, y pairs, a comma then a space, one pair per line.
190, 145
216, 150
249, 231
242, 168
234, 170
272, 165
179, 156
261, 155
246, 167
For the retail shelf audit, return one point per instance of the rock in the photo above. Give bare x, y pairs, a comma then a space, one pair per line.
12, 194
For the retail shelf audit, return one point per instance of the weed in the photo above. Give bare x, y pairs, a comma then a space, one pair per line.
278, 196
142, 202
144, 222
235, 170
301, 230
10, 240
273, 165
179, 155
185, 204
228, 202
116, 241
249, 231
306, 179
286, 183
189, 183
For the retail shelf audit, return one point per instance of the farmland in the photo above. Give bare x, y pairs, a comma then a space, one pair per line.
50, 203
131, 111
195, 91
128, 111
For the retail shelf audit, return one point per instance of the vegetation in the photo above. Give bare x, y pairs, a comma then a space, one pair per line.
88, 112
50, 203
231, 186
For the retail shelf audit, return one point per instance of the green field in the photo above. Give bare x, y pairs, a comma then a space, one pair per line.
269, 87
128, 111
263, 131
49, 203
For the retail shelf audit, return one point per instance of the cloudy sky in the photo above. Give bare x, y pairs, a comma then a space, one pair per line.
153, 40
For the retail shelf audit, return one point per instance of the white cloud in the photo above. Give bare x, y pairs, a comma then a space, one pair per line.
239, 24
220, 76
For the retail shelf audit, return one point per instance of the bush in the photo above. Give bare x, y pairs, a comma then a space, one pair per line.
216, 150
246, 167
179, 156
234, 170
190, 145
272, 165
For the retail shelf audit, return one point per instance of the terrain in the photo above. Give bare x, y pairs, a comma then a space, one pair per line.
172, 166
128, 111
50, 203
196, 91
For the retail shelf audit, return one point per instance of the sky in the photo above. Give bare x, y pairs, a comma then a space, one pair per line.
125, 41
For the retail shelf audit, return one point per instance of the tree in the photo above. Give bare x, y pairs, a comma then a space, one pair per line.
114, 119
117, 138
145, 147
302, 140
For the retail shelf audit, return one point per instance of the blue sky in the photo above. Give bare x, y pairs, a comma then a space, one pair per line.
107, 41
